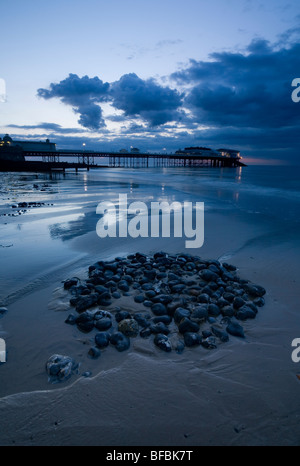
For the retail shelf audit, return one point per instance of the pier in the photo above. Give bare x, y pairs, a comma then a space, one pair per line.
91, 159
43, 156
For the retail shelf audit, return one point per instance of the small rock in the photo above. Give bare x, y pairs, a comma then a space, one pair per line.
163, 342
129, 327
60, 368
94, 352
120, 341
192, 339
180, 313
234, 328
221, 334
187, 325
159, 309
121, 315
102, 339
103, 324
209, 342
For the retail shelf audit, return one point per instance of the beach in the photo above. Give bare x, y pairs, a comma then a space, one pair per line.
244, 392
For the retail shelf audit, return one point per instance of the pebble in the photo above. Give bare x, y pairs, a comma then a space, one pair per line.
178, 288
234, 328
120, 341
129, 327
60, 367
163, 342
102, 339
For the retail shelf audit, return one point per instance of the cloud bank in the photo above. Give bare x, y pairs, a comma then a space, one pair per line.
241, 98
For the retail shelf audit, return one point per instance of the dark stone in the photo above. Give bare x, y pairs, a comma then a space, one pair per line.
256, 291
94, 352
166, 319
159, 327
203, 298
180, 313
159, 309
221, 334
147, 286
180, 347
3, 310
187, 325
103, 324
234, 328
206, 334
150, 294
60, 368
101, 289
251, 305
120, 341
102, 339
163, 342
85, 302
121, 315
147, 303
214, 268
192, 339
228, 296
208, 275
85, 321
199, 314
259, 302
128, 279
129, 327
69, 283
145, 332
209, 342
116, 295
238, 302
139, 298
228, 311
162, 298
150, 274
123, 285
245, 313
213, 310
71, 319
106, 296
229, 267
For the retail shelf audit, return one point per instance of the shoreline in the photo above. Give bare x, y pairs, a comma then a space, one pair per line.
241, 393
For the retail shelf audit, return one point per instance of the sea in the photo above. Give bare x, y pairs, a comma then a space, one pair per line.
36, 239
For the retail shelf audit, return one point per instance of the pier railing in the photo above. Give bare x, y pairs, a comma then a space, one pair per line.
143, 160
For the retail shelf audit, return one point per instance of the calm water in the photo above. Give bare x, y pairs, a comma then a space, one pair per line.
38, 240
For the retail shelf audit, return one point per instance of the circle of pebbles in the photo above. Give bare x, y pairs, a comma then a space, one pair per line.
185, 301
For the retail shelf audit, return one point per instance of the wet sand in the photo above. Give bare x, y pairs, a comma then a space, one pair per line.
245, 392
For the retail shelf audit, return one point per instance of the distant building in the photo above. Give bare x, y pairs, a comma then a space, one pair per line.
198, 151
234, 154
134, 150
46, 146
204, 151
123, 151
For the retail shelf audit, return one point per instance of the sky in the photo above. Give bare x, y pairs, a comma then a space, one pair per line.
154, 74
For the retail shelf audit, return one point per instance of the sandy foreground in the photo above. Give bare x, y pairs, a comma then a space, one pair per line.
245, 392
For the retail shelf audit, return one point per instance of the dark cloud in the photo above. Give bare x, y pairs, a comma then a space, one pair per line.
243, 99
252, 89
48, 126
146, 99
136, 97
83, 94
